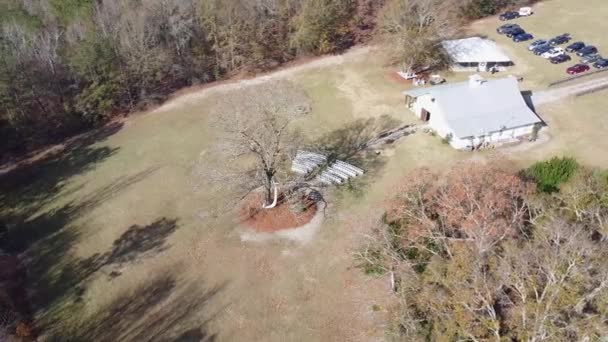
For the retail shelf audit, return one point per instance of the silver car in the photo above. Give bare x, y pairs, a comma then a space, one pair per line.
590, 58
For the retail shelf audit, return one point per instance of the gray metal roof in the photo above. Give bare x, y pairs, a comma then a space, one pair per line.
475, 110
474, 50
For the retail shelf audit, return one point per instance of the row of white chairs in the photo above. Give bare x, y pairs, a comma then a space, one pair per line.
329, 178
345, 170
305, 161
311, 155
339, 172
353, 168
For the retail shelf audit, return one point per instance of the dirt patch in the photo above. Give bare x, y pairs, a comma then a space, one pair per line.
286, 215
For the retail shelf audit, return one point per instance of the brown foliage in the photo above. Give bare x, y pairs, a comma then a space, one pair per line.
478, 255
480, 203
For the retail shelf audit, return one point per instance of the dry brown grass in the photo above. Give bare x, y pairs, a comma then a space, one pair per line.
270, 291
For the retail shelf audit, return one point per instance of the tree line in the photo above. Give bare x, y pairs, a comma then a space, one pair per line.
69, 65
484, 253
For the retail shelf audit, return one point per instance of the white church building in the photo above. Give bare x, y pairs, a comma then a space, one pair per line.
475, 113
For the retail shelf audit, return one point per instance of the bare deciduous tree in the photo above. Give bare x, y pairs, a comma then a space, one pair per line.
413, 30
259, 143
477, 203
471, 263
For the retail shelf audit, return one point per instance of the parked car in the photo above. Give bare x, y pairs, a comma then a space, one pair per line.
575, 46
542, 49
522, 37
577, 69
560, 59
503, 28
515, 32
591, 58
536, 44
553, 53
601, 63
525, 11
436, 79
508, 15
587, 50
561, 39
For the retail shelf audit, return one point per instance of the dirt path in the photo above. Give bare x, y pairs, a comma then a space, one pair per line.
322, 62
546, 96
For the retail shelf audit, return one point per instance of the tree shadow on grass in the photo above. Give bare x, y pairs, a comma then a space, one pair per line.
66, 281
31, 185
44, 241
28, 228
354, 144
158, 310
139, 242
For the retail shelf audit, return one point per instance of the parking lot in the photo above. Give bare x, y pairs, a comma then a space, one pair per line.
584, 22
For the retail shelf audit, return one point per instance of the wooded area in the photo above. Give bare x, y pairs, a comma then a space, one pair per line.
69, 65
480, 254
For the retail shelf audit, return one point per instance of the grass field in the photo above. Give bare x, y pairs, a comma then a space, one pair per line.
120, 247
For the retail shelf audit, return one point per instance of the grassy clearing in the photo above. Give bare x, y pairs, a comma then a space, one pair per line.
96, 217
100, 213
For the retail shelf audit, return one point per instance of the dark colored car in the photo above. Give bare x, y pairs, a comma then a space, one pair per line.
587, 50
591, 58
502, 29
601, 63
522, 37
508, 15
515, 32
575, 46
560, 59
577, 69
542, 49
561, 39
536, 44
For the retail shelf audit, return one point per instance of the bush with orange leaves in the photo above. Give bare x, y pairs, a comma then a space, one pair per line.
476, 203
477, 254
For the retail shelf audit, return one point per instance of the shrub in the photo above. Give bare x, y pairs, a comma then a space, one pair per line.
372, 261
549, 175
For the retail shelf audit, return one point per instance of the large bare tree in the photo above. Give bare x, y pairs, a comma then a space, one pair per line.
258, 143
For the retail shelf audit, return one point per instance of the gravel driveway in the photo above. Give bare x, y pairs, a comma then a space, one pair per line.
546, 96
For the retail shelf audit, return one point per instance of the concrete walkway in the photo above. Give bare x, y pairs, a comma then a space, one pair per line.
551, 95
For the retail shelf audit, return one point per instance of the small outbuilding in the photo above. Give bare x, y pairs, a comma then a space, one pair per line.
475, 113
475, 54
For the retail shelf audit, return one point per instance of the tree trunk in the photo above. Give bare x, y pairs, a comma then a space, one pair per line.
271, 201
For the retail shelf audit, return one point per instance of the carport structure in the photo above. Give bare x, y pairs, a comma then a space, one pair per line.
475, 54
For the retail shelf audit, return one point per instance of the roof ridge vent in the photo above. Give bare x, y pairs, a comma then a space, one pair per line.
476, 81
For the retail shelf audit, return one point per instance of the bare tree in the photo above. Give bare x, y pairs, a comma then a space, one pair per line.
259, 142
477, 203
471, 263
413, 30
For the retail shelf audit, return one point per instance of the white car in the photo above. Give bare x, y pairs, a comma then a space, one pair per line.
553, 53
525, 11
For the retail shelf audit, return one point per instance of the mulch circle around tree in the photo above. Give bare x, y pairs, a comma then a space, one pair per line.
286, 214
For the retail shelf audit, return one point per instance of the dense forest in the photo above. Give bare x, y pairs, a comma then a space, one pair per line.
69, 65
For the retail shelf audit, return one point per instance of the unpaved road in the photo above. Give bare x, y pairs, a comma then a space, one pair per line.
287, 71
546, 96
